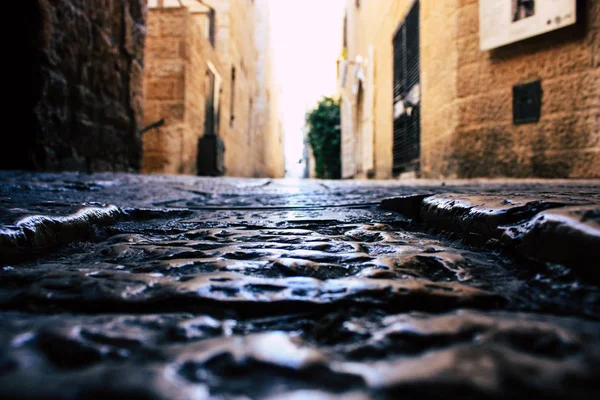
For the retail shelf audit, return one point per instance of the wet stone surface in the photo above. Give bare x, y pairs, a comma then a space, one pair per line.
125, 286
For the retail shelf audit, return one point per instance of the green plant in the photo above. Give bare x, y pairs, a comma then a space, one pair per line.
323, 123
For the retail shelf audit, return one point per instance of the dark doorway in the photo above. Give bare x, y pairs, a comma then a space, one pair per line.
407, 123
209, 117
358, 130
211, 149
19, 148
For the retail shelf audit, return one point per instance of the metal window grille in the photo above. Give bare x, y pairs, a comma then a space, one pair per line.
211, 26
407, 129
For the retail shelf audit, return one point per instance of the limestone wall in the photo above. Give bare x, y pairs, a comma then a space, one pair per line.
566, 140
466, 94
178, 54
83, 83
374, 23
244, 150
439, 58
268, 132
164, 88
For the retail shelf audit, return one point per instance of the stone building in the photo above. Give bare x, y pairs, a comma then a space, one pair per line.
426, 92
77, 101
208, 77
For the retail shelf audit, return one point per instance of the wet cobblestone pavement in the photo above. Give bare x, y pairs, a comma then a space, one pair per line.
157, 287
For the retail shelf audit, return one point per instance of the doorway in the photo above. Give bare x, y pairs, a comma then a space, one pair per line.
23, 150
210, 158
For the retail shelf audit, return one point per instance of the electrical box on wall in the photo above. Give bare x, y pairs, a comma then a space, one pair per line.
527, 102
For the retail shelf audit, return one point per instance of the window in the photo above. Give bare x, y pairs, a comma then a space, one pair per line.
250, 122
232, 98
213, 91
209, 24
211, 27
210, 108
406, 100
345, 33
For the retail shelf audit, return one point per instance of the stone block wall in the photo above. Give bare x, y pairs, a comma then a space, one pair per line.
467, 125
375, 22
565, 143
164, 91
178, 55
270, 160
83, 107
383, 65
252, 146
439, 85
243, 143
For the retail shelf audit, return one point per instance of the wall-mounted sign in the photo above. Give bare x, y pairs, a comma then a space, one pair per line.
507, 21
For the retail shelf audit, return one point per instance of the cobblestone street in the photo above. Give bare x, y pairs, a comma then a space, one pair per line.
174, 287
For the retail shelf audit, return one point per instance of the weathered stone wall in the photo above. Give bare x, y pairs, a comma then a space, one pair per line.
439, 24
566, 140
164, 91
268, 122
252, 148
466, 94
243, 150
177, 53
199, 52
177, 57
85, 101
374, 23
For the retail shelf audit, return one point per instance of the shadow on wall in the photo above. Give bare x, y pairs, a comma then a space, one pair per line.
544, 167
530, 152
77, 71
553, 147
484, 153
27, 77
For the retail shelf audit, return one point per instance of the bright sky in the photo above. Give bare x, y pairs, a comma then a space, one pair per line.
307, 39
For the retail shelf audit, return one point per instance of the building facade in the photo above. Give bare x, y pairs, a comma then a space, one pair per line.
208, 81
78, 85
425, 95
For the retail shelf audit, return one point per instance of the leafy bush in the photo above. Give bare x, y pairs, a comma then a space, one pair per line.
324, 137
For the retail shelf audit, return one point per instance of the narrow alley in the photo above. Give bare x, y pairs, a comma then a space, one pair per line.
301, 199
173, 287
